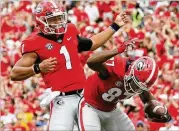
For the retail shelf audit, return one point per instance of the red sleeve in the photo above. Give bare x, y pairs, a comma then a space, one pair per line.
117, 65
29, 45
110, 64
26, 47
120, 65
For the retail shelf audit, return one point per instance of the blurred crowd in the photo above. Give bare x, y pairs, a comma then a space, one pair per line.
155, 24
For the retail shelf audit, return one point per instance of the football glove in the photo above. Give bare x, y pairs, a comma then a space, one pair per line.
128, 45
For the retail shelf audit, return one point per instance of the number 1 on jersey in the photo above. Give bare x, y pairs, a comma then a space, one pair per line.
64, 51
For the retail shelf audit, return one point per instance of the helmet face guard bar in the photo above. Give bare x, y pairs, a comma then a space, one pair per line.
51, 28
132, 85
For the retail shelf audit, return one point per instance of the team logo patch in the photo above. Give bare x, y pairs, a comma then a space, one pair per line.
58, 103
38, 9
140, 65
49, 46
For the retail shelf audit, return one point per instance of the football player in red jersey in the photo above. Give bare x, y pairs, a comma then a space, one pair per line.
53, 52
116, 79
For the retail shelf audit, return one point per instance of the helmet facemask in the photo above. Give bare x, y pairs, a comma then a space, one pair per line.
54, 23
132, 84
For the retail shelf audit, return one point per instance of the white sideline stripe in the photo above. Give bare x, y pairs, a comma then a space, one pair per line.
80, 108
153, 71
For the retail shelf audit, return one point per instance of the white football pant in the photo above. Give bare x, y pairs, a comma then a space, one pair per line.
91, 119
63, 112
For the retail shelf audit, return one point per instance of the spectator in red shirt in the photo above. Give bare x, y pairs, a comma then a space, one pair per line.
5, 62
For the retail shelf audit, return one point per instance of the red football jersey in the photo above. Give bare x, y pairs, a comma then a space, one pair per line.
104, 94
68, 74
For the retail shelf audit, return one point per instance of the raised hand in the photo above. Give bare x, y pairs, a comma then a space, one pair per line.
122, 19
128, 45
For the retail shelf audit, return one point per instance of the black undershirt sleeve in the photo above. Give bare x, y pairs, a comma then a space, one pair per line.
84, 44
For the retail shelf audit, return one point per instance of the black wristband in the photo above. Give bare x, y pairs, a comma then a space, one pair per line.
36, 68
115, 26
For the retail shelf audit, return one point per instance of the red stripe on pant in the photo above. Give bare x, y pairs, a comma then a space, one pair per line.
51, 106
82, 104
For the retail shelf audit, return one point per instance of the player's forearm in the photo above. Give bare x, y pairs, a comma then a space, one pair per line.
101, 38
96, 61
101, 57
146, 96
21, 73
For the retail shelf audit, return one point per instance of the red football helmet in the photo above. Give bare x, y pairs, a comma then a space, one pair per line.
49, 18
141, 75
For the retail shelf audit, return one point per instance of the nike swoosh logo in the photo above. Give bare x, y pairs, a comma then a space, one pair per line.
68, 38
